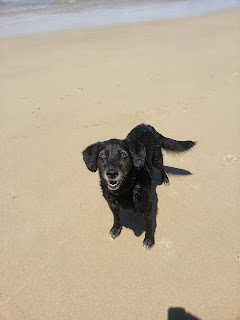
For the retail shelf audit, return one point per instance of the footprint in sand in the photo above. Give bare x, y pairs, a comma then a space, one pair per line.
235, 75
195, 188
147, 110
36, 110
184, 109
183, 105
166, 244
94, 124
230, 158
238, 257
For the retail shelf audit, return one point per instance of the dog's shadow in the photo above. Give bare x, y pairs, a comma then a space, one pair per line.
135, 221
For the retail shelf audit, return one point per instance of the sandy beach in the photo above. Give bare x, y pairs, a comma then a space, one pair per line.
60, 92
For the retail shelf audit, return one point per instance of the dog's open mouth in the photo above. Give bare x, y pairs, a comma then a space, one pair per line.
113, 185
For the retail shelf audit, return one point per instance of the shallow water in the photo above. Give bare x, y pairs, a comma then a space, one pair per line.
30, 16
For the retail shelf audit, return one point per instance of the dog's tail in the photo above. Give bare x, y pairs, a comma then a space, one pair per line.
176, 146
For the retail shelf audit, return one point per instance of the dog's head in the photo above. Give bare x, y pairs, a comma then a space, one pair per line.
114, 159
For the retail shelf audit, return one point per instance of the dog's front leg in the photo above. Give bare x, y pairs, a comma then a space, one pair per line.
148, 241
116, 228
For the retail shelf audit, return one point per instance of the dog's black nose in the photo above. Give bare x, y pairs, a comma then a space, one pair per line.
112, 173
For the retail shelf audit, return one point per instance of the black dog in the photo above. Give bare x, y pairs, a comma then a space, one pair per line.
125, 169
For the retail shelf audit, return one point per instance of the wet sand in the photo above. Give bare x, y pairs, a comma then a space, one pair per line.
61, 92
35, 16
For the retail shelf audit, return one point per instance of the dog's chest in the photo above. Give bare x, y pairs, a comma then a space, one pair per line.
130, 199
126, 200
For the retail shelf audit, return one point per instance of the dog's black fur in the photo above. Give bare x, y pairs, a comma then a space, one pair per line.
125, 169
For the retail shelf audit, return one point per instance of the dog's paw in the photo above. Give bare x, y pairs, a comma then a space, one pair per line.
148, 244
166, 181
115, 232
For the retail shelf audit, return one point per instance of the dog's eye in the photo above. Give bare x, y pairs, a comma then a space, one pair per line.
123, 154
102, 156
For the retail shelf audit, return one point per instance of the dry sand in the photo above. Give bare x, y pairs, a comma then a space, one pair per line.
62, 91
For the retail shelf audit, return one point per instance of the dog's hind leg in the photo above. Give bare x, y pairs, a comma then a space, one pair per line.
148, 241
158, 164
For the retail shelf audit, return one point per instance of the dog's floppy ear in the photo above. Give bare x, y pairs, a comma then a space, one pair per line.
90, 156
138, 153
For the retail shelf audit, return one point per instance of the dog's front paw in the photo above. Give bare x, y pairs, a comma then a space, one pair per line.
148, 244
115, 232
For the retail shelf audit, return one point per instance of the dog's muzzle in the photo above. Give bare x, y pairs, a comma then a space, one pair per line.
113, 185
113, 178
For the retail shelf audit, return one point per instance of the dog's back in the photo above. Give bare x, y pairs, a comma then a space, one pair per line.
149, 137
